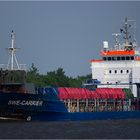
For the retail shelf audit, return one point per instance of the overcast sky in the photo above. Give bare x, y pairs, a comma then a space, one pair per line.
62, 34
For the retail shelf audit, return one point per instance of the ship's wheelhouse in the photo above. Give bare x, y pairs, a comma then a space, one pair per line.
119, 66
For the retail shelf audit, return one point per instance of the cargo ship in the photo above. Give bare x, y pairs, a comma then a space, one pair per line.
112, 93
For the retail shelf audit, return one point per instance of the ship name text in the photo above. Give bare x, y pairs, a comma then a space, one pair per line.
25, 102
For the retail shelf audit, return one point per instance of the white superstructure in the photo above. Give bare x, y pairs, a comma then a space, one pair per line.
120, 66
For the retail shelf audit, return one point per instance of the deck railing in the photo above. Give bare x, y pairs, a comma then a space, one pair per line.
15, 67
99, 105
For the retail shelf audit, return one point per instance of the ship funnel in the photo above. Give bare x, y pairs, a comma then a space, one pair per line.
105, 45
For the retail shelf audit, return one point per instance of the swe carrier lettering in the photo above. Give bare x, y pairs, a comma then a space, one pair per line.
25, 103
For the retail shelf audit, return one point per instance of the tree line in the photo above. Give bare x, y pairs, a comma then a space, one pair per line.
56, 78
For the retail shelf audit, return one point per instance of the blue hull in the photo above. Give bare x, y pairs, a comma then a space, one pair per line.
85, 116
23, 105
48, 107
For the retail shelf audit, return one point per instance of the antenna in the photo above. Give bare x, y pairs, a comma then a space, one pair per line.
128, 44
134, 34
12, 63
116, 40
126, 31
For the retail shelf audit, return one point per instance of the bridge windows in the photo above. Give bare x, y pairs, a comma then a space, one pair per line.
127, 57
123, 58
118, 58
132, 58
109, 58
114, 58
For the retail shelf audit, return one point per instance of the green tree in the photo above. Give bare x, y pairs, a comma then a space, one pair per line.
33, 76
56, 78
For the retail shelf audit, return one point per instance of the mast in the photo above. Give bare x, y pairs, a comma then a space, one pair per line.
128, 45
126, 32
12, 63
